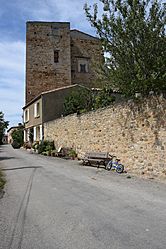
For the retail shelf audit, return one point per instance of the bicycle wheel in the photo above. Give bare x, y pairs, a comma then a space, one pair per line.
109, 165
120, 168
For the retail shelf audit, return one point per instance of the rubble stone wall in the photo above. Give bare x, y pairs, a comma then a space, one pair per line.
42, 72
89, 49
134, 132
44, 40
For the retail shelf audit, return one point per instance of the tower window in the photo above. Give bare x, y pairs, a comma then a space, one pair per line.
83, 68
83, 65
56, 56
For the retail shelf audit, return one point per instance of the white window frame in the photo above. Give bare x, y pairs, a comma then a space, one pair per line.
36, 112
26, 115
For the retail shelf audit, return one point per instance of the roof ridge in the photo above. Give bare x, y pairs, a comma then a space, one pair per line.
84, 33
49, 91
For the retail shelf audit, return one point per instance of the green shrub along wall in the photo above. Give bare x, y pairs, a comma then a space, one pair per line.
134, 131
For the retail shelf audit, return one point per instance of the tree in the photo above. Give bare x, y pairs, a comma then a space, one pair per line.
85, 100
103, 98
78, 101
3, 125
132, 33
18, 137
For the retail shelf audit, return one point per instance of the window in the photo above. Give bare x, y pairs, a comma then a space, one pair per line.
38, 133
83, 65
83, 68
56, 56
26, 115
37, 110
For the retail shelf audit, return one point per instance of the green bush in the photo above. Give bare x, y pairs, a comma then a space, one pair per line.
53, 153
45, 146
72, 153
16, 145
3, 125
35, 145
103, 98
86, 100
18, 138
78, 102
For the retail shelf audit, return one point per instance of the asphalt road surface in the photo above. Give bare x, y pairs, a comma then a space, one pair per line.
58, 204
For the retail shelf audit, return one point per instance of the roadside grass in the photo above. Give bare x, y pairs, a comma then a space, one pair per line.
2, 180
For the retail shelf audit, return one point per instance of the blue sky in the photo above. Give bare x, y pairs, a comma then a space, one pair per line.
13, 17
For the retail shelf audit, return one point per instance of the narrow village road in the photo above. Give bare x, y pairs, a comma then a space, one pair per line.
51, 203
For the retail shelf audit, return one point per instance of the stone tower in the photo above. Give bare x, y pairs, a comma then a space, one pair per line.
48, 63
57, 56
86, 54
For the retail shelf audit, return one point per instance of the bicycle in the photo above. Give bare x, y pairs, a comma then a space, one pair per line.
115, 165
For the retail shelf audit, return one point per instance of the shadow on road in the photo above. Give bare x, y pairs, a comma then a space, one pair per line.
28, 167
21, 215
6, 158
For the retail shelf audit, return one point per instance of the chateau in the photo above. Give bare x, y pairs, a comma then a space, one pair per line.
57, 56
58, 61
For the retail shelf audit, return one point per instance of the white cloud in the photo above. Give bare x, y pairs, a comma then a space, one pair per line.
12, 63
12, 56
12, 53
56, 10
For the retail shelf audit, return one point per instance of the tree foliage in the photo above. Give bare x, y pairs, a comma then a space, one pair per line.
3, 125
78, 101
132, 32
103, 98
18, 137
86, 100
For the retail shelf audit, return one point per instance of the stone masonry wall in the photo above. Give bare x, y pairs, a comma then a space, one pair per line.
136, 133
84, 46
42, 73
53, 54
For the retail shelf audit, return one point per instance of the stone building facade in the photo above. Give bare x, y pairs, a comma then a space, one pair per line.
57, 56
45, 107
86, 52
